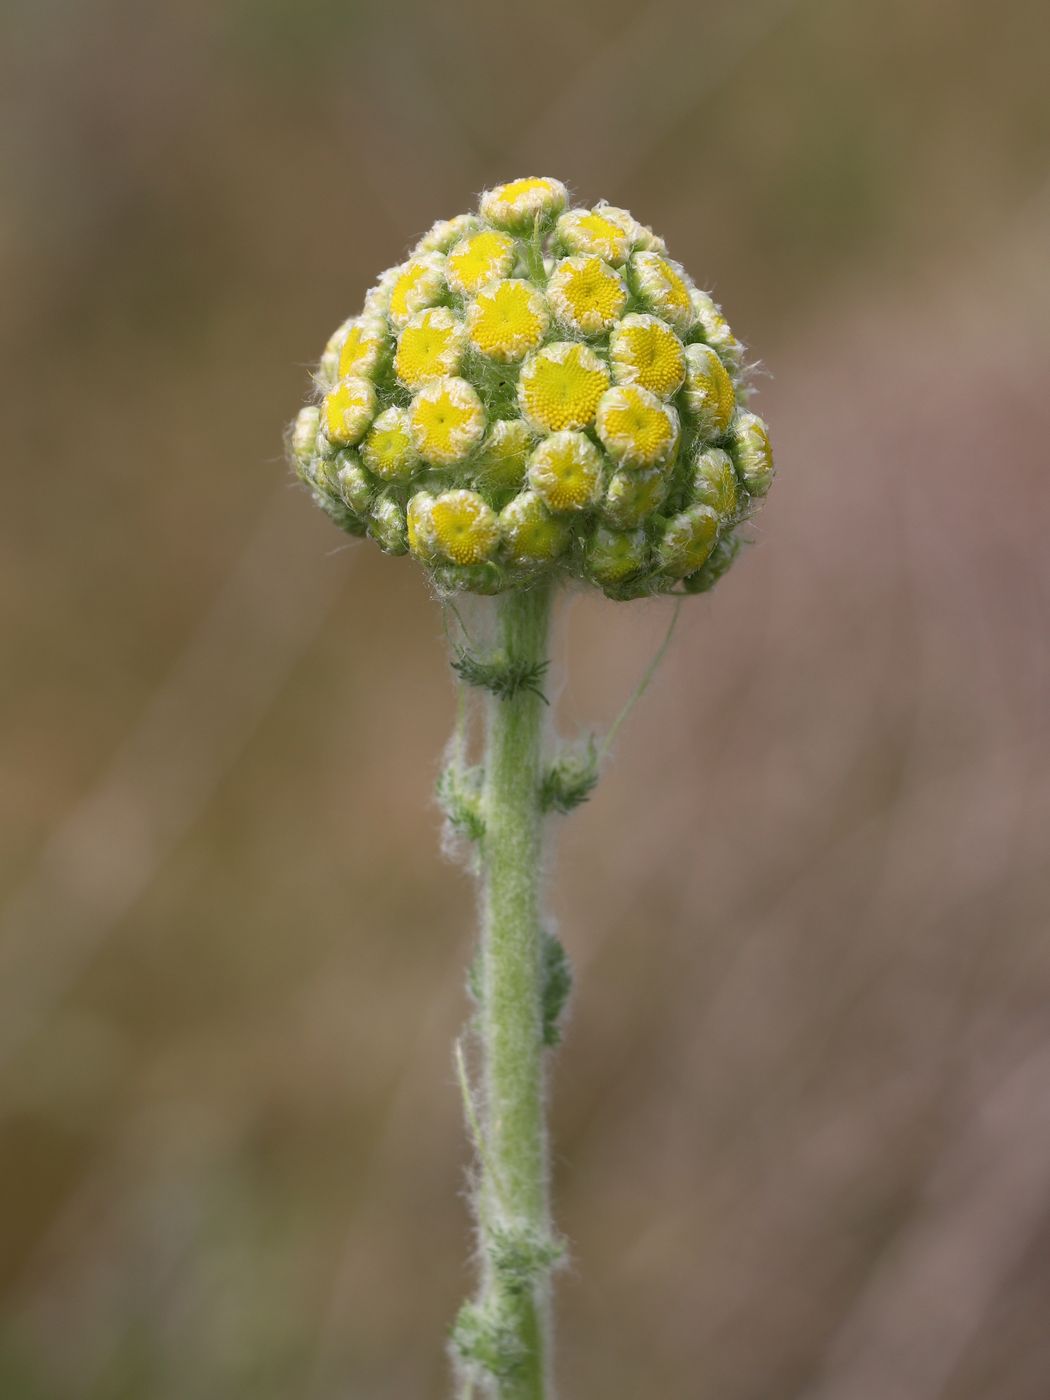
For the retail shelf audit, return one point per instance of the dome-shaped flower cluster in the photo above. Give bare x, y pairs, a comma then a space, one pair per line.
538, 390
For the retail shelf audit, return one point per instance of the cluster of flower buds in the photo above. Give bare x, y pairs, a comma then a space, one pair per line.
538, 390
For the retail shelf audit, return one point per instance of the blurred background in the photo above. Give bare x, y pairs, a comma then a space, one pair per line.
802, 1118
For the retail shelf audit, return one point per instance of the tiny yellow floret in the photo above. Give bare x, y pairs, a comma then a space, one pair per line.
664, 287
388, 451
517, 205
566, 471
446, 421
585, 231
465, 529
586, 294
637, 428
430, 347
419, 283
482, 258
348, 410
507, 320
560, 386
645, 350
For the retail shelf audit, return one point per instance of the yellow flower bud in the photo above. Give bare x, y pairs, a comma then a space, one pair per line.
361, 348
531, 535
479, 259
587, 231
377, 298
440, 237
348, 410
614, 555
446, 421
387, 526
465, 529
687, 541
516, 206
586, 295
715, 329
422, 540
304, 434
645, 350
566, 471
430, 347
709, 395
636, 428
419, 283
501, 461
507, 319
633, 495
663, 287
388, 451
714, 481
353, 483
752, 453
640, 235
560, 386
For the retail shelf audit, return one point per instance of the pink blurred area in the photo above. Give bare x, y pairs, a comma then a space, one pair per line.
801, 1121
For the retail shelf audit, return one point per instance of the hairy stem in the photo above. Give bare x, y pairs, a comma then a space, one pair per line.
513, 1209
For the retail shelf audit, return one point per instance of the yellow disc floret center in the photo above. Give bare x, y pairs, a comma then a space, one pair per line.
483, 258
429, 346
465, 529
562, 390
587, 293
507, 320
650, 355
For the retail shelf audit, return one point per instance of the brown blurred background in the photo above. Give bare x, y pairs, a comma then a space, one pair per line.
802, 1118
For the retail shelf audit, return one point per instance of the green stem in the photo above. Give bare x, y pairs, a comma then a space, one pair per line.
514, 1172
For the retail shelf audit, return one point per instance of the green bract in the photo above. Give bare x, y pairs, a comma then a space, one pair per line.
538, 392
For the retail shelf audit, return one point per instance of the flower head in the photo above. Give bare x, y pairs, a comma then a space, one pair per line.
500, 464
587, 231
429, 347
645, 350
446, 421
465, 530
440, 237
420, 282
388, 451
479, 259
586, 295
636, 428
517, 205
507, 319
752, 452
709, 394
565, 471
664, 288
348, 410
531, 534
538, 390
560, 386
